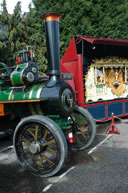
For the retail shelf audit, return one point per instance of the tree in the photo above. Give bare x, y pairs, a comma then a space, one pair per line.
4, 32
18, 35
37, 39
23, 29
4, 7
98, 18
17, 38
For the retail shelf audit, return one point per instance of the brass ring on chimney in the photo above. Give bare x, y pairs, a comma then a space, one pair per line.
51, 17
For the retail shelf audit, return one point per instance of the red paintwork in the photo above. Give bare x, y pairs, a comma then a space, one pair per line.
71, 53
104, 41
17, 60
72, 63
75, 68
113, 129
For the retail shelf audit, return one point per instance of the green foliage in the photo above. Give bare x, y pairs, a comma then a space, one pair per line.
15, 34
22, 29
37, 39
97, 18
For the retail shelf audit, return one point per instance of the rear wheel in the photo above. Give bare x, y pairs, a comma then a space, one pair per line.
40, 145
84, 129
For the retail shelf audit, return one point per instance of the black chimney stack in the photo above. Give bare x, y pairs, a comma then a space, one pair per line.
53, 43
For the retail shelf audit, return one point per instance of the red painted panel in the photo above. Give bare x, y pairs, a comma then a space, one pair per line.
72, 63
79, 81
104, 41
76, 68
70, 53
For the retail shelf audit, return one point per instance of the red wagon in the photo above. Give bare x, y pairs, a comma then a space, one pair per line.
99, 67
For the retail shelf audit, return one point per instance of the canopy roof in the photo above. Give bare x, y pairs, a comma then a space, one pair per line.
103, 41
93, 47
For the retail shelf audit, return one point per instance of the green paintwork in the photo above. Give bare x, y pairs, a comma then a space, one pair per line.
64, 123
3, 69
4, 95
21, 93
24, 100
16, 75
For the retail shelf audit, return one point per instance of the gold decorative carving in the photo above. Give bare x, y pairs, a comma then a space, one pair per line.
112, 78
107, 79
111, 61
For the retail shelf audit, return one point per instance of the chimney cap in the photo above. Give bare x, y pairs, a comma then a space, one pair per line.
51, 16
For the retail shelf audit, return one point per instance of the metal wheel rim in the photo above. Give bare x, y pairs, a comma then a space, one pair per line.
82, 130
45, 156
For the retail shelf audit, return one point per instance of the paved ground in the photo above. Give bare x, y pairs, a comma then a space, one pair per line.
101, 169
105, 172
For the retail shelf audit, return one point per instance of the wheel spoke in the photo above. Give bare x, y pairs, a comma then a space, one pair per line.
82, 134
45, 134
49, 161
41, 161
28, 130
26, 149
32, 156
28, 142
48, 148
77, 138
83, 128
36, 132
49, 142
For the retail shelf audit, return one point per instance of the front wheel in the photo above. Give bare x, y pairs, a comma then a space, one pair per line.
84, 129
40, 145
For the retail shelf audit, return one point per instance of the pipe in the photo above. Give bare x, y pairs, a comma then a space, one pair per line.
51, 21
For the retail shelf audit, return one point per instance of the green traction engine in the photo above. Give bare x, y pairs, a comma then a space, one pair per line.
42, 110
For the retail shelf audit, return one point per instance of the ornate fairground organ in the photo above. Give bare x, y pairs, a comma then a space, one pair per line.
107, 79
43, 109
99, 67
